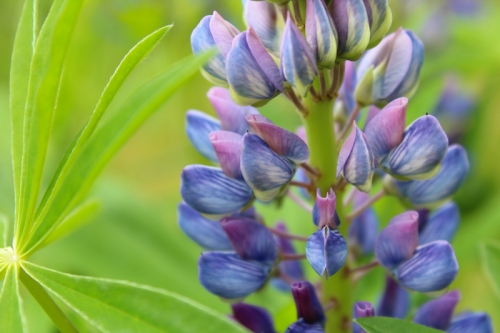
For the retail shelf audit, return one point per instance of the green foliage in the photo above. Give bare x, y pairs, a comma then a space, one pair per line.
392, 325
490, 253
115, 306
12, 317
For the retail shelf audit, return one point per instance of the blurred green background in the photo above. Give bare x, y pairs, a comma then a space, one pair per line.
135, 237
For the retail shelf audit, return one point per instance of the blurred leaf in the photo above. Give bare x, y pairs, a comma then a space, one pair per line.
19, 81
43, 223
490, 254
392, 325
3, 230
12, 317
114, 306
44, 84
112, 135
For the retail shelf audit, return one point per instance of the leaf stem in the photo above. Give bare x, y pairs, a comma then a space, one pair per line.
366, 205
47, 303
287, 235
349, 122
293, 256
308, 208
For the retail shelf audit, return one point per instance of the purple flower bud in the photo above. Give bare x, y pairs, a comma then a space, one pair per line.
252, 74
283, 142
345, 103
390, 70
471, 323
384, 131
321, 33
228, 276
420, 153
198, 126
379, 19
231, 115
309, 307
250, 239
264, 171
364, 228
326, 251
302, 327
209, 191
356, 160
267, 22
298, 65
398, 241
441, 225
351, 22
325, 214
395, 301
432, 268
227, 146
207, 233
438, 312
361, 310
433, 192
255, 318
214, 31
292, 269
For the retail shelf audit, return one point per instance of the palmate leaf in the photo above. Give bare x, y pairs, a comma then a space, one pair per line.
45, 77
107, 140
490, 253
392, 325
118, 306
11, 312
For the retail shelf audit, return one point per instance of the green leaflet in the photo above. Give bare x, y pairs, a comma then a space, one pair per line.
490, 254
392, 325
117, 306
19, 81
108, 139
44, 81
12, 317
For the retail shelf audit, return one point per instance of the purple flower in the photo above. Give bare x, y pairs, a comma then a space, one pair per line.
364, 228
255, 318
227, 147
471, 323
442, 224
309, 307
324, 213
379, 19
198, 127
321, 33
395, 301
326, 251
265, 19
438, 312
361, 310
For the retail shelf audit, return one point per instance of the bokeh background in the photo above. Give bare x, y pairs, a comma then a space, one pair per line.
135, 236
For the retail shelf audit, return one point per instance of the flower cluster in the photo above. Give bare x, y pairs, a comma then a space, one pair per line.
308, 51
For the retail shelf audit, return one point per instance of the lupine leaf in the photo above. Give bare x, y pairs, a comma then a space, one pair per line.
129, 62
45, 78
19, 80
118, 306
490, 254
12, 316
109, 138
392, 325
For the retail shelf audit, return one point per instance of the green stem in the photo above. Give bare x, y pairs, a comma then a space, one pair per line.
47, 303
322, 143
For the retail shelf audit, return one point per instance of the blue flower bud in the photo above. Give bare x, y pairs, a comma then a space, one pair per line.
198, 126
361, 310
356, 160
420, 153
227, 146
364, 228
267, 22
214, 31
432, 268
231, 115
351, 22
390, 70
324, 213
281, 141
228, 276
255, 318
207, 233
252, 74
471, 323
298, 64
250, 239
433, 192
264, 171
302, 327
395, 301
321, 33
209, 191
292, 269
438, 312
441, 224
398, 241
309, 307
326, 251
379, 19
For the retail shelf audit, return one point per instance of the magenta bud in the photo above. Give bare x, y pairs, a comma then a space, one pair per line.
308, 305
227, 146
